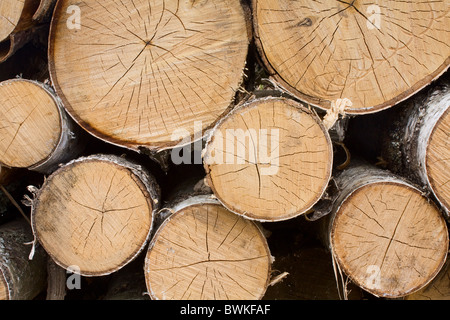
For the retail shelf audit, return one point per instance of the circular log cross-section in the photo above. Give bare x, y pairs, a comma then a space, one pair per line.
438, 159
204, 252
375, 54
95, 214
146, 69
389, 239
269, 159
30, 124
438, 289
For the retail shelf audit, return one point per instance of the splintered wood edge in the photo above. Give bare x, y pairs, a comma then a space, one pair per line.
325, 104
61, 116
128, 144
236, 110
342, 264
207, 199
144, 180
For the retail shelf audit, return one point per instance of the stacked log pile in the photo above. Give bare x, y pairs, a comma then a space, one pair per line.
224, 149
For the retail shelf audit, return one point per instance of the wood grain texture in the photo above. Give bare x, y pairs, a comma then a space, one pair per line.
373, 53
147, 68
204, 252
385, 235
95, 213
269, 159
30, 124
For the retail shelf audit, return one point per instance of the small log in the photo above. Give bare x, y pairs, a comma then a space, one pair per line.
270, 159
20, 278
203, 251
37, 134
384, 234
149, 81
375, 54
95, 213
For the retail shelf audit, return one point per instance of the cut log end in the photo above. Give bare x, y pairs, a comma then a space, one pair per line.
438, 160
269, 160
154, 77
205, 252
389, 239
30, 123
94, 214
375, 55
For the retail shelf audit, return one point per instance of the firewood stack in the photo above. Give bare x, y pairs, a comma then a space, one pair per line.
224, 149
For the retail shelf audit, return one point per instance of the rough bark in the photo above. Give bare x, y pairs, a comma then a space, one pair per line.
20, 278
95, 213
270, 159
373, 54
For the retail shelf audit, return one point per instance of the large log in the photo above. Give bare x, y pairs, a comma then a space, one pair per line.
37, 134
270, 159
375, 54
384, 234
20, 278
146, 69
95, 213
202, 251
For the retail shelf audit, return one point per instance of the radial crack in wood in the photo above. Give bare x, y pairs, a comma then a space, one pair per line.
146, 71
205, 252
270, 159
374, 54
35, 132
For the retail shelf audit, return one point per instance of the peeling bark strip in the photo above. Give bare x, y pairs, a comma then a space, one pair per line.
147, 68
36, 133
375, 55
20, 278
384, 234
270, 159
418, 142
18, 20
95, 213
204, 252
